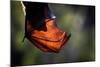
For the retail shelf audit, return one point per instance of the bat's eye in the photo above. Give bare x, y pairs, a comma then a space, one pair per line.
53, 16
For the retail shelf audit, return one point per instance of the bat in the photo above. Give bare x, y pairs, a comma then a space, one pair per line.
41, 28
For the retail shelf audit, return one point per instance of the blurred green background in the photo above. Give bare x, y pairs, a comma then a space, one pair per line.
77, 19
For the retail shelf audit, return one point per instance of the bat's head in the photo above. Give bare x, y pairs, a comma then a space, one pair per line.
37, 13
